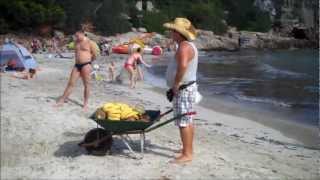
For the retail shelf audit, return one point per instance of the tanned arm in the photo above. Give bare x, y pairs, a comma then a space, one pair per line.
93, 50
143, 62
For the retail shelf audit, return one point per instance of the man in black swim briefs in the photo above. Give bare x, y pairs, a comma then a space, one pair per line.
80, 66
85, 52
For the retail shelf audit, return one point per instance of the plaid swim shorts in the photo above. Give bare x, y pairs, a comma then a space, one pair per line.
183, 103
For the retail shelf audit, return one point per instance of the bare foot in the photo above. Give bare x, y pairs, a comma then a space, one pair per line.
60, 103
85, 108
178, 151
182, 159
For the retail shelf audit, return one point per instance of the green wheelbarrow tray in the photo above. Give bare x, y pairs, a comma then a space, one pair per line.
125, 127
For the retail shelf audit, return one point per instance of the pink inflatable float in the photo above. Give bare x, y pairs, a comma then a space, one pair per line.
156, 50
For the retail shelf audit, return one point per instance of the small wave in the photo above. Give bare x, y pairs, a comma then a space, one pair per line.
202, 53
306, 105
263, 100
278, 72
312, 89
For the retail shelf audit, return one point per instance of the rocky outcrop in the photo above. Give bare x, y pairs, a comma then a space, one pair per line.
207, 40
257, 40
234, 40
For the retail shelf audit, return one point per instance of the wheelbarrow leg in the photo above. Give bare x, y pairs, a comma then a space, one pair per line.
124, 140
142, 141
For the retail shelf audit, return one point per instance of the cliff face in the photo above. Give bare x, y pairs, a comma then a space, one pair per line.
302, 14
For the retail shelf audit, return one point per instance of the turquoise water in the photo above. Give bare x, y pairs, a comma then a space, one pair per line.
284, 83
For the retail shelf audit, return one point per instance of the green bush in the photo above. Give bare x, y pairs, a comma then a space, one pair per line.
261, 23
4, 26
203, 14
115, 20
153, 21
208, 16
243, 15
30, 13
109, 16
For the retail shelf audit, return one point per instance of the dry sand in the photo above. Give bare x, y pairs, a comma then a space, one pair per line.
40, 141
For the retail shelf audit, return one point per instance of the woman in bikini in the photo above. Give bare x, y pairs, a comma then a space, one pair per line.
131, 65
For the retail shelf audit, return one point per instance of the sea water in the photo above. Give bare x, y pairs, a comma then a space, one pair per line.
282, 84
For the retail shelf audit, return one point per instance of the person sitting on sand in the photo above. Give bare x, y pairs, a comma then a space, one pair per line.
11, 65
111, 70
131, 64
85, 53
27, 74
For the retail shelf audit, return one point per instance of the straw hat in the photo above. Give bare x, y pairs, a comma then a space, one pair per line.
183, 26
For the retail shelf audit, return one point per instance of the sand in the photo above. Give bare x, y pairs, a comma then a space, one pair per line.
40, 141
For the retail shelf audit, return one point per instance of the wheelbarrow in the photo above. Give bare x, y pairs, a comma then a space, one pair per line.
98, 141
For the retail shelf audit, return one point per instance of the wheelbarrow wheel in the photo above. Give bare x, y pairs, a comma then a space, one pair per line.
97, 142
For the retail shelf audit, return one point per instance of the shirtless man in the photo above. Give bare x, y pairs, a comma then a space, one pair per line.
85, 53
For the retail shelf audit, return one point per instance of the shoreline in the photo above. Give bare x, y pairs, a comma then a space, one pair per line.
267, 115
39, 141
307, 135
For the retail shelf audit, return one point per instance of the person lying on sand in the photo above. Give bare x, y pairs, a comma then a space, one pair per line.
27, 74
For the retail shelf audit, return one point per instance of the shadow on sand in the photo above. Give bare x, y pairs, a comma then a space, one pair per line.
71, 149
68, 100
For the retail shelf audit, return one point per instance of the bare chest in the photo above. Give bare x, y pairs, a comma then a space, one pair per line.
83, 46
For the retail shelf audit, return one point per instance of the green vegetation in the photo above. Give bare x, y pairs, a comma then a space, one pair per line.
205, 14
26, 14
153, 21
117, 16
243, 15
111, 17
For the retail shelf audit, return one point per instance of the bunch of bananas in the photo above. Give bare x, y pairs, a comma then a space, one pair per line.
117, 112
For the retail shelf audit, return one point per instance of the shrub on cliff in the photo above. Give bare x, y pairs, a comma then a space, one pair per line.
245, 16
21, 14
205, 14
112, 17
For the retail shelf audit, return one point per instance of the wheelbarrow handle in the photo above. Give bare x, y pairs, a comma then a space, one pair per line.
170, 110
165, 113
189, 113
170, 120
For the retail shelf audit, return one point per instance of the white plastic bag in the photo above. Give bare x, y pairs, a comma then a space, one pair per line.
198, 98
